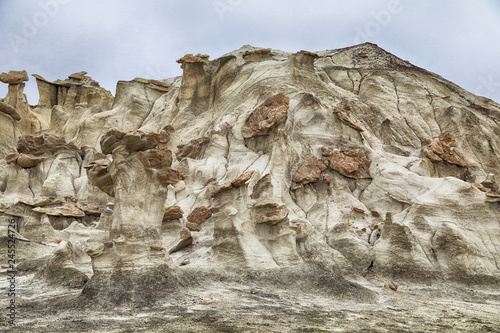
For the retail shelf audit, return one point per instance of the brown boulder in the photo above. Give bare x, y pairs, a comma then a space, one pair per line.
351, 163
14, 77
441, 150
266, 116
172, 213
199, 215
242, 179
309, 171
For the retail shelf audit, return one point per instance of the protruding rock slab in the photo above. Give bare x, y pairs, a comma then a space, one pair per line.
441, 150
310, 171
351, 163
66, 209
172, 213
266, 116
9, 110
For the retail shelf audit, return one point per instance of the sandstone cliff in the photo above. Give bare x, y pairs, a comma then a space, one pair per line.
351, 162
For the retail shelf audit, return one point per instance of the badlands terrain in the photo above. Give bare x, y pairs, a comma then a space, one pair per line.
339, 191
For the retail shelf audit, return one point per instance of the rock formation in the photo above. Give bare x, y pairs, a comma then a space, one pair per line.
349, 162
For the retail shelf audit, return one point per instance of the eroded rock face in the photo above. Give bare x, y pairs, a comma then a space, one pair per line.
290, 184
266, 116
192, 149
9, 110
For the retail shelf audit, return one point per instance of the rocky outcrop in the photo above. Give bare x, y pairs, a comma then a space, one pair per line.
140, 172
194, 92
441, 150
266, 116
172, 213
310, 171
33, 149
271, 179
351, 163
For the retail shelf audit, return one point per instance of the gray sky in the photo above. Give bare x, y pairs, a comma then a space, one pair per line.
121, 39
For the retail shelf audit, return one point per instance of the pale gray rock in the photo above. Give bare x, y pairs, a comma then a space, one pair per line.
293, 153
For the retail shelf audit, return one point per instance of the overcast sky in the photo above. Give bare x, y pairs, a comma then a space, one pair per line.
121, 39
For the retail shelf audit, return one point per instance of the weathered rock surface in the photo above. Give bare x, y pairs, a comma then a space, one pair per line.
267, 116
398, 180
14, 77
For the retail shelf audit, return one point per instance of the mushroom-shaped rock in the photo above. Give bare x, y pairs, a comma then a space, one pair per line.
14, 77
266, 116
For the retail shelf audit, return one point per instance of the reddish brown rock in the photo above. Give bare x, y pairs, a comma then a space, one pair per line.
441, 150
193, 226
375, 213
242, 179
209, 181
300, 232
358, 210
351, 163
258, 55
156, 248
199, 215
172, 213
327, 178
310, 171
133, 140
312, 54
190, 58
221, 188
184, 233
274, 216
192, 149
266, 116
